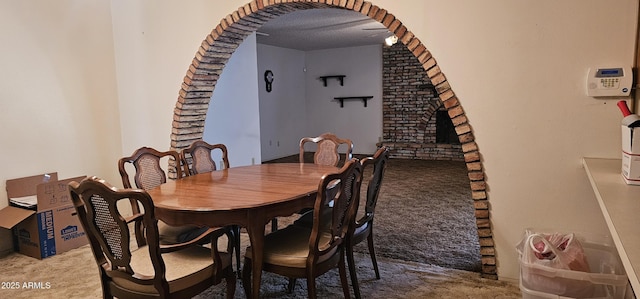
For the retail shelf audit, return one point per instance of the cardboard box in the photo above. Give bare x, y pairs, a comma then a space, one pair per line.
49, 228
631, 155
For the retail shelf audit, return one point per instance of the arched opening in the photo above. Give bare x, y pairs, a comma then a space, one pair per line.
214, 52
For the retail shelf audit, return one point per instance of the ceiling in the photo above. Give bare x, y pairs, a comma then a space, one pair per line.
315, 29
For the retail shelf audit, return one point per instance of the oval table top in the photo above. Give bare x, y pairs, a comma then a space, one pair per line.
243, 187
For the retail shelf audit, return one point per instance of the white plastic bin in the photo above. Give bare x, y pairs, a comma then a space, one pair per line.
531, 294
607, 278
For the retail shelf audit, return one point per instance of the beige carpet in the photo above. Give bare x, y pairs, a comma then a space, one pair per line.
74, 274
425, 231
425, 214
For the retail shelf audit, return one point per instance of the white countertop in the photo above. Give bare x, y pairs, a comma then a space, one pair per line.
620, 205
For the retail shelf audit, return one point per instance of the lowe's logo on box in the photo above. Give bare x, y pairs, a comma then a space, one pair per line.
71, 232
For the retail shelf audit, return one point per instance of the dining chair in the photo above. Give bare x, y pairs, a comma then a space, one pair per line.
363, 229
374, 167
326, 152
149, 174
327, 149
198, 158
151, 271
308, 252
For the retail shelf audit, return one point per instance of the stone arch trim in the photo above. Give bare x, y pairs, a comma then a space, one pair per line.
214, 52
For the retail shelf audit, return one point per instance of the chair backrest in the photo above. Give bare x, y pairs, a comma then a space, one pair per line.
341, 189
149, 174
96, 203
379, 164
199, 152
326, 152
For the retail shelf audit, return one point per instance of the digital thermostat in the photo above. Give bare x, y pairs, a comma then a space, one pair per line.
609, 82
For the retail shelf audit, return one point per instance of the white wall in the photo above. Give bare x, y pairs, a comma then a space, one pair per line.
233, 117
519, 71
154, 44
363, 69
58, 109
517, 67
283, 119
300, 105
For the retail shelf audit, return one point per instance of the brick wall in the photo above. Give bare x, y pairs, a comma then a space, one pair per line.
409, 108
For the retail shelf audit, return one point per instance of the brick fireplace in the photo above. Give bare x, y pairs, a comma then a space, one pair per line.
415, 123
410, 119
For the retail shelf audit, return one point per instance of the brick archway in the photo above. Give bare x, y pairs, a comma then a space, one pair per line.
198, 85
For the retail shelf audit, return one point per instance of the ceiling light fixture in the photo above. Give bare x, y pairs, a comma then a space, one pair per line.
391, 40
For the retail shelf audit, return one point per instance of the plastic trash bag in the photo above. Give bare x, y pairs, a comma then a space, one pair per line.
544, 255
560, 251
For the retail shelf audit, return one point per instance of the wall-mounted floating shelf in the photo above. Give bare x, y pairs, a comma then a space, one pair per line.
363, 98
339, 77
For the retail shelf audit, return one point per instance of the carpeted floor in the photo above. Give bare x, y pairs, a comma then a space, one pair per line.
74, 275
425, 214
427, 207
426, 243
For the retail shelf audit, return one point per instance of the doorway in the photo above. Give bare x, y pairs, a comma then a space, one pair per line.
202, 75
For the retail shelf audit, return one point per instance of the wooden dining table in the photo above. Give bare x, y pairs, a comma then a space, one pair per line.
249, 196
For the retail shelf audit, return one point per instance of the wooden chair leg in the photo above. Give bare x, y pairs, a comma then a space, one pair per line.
139, 232
343, 277
231, 283
274, 224
236, 237
246, 277
292, 285
106, 293
311, 287
372, 253
352, 272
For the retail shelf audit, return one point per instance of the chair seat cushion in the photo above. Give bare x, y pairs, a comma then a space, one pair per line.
361, 229
290, 247
306, 220
183, 268
178, 234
